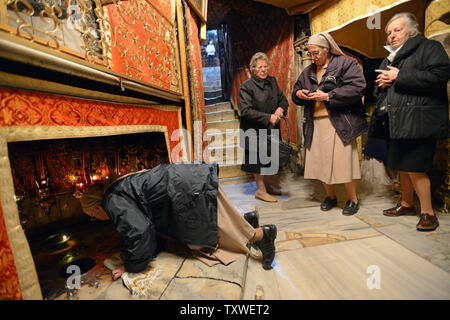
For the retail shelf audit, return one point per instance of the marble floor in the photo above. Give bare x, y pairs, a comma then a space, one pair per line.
320, 255
326, 255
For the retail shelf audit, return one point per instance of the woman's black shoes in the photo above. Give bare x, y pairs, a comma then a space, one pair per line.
350, 208
267, 245
328, 204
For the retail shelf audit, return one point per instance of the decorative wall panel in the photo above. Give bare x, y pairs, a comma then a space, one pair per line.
136, 39
273, 34
9, 282
194, 60
26, 108
144, 43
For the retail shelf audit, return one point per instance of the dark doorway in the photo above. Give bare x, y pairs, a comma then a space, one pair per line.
211, 65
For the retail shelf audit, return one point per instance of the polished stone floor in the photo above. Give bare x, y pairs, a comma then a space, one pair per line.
320, 255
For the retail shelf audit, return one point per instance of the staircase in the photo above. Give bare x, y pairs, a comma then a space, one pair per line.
222, 127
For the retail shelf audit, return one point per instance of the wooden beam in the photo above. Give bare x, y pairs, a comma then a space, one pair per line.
184, 77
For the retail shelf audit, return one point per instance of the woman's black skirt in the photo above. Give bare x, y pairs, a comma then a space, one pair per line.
411, 155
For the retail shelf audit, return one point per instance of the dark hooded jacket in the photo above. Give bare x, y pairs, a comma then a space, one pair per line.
417, 102
345, 107
178, 200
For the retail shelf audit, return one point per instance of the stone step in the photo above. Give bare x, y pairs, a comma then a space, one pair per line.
213, 93
218, 138
217, 84
221, 106
230, 170
212, 88
220, 115
236, 180
210, 74
209, 101
228, 154
224, 125
207, 87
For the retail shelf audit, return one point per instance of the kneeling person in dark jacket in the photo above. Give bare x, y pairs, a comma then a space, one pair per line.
182, 201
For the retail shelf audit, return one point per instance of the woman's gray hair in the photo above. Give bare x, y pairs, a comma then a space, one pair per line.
411, 22
258, 56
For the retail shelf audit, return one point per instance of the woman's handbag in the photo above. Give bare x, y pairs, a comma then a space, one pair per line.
284, 148
379, 123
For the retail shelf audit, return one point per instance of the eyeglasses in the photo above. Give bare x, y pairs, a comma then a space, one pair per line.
313, 54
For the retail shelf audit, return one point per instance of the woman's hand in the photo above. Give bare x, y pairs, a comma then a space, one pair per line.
386, 77
274, 119
318, 95
302, 94
279, 112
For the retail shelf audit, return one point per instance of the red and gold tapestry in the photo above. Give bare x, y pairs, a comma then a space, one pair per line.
194, 60
273, 34
27, 108
9, 281
144, 42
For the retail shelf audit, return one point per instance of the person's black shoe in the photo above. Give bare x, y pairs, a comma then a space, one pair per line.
267, 245
328, 204
350, 208
252, 218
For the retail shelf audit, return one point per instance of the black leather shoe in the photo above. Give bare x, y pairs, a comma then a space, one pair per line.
350, 208
328, 204
267, 245
252, 218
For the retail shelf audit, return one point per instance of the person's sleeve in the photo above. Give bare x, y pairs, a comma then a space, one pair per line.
135, 227
298, 86
352, 88
432, 77
282, 101
248, 113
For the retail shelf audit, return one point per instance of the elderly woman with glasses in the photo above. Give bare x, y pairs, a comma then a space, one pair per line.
331, 89
262, 104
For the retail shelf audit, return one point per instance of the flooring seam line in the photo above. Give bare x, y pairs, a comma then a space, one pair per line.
209, 278
170, 282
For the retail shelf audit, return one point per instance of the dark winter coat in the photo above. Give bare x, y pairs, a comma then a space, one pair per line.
345, 107
258, 100
178, 200
417, 102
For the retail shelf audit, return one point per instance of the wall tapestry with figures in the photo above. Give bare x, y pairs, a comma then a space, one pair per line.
135, 39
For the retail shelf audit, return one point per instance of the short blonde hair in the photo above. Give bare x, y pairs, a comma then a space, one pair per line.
258, 56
